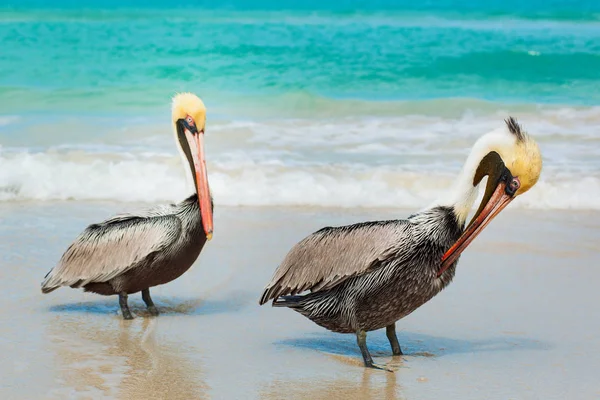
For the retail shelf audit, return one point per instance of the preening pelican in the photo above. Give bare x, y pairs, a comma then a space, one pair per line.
134, 252
369, 275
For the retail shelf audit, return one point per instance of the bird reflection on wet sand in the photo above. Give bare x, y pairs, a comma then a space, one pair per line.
371, 385
122, 359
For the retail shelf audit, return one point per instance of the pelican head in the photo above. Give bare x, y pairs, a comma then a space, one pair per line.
189, 120
512, 162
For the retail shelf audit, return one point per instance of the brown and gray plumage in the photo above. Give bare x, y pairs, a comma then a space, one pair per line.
131, 253
367, 276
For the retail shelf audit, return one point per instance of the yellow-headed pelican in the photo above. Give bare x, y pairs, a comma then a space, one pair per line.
134, 252
369, 275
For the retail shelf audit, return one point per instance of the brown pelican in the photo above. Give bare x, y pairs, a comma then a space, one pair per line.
133, 252
369, 275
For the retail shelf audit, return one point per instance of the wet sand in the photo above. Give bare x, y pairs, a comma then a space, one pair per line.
520, 321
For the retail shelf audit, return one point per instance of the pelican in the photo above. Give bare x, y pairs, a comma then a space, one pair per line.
130, 253
366, 276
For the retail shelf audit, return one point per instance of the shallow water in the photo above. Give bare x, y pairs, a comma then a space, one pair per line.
519, 321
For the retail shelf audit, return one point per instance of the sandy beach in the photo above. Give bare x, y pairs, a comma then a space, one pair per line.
519, 321
318, 113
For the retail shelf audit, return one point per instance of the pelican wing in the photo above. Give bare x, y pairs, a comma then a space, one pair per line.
333, 254
106, 250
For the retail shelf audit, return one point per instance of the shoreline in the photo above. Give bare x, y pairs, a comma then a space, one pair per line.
516, 322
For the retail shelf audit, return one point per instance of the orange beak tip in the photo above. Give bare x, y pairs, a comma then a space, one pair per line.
497, 203
209, 236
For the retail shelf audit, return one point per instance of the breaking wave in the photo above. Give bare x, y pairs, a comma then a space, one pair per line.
78, 175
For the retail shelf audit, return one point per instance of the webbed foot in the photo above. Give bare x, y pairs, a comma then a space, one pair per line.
124, 306
149, 303
381, 367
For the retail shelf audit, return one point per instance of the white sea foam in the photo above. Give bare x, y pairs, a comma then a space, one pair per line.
8, 119
404, 161
84, 176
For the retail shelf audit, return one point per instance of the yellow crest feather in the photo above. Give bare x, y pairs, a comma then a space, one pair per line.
523, 158
185, 104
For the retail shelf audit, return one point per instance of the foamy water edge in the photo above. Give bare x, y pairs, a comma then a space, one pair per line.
52, 176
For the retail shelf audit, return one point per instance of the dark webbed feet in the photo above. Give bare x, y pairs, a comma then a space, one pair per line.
361, 339
390, 331
124, 307
381, 367
149, 303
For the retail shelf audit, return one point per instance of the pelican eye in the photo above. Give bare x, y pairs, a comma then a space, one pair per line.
189, 120
515, 184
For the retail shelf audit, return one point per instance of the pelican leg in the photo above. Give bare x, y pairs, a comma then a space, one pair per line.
390, 331
124, 307
361, 339
149, 303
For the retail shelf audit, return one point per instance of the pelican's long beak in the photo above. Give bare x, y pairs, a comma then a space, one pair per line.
196, 143
495, 204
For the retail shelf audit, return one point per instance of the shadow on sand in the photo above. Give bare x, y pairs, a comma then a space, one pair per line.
413, 344
166, 306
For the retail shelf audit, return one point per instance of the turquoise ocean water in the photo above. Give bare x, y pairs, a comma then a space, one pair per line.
332, 103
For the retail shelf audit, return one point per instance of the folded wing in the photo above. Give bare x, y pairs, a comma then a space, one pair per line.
106, 250
331, 255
